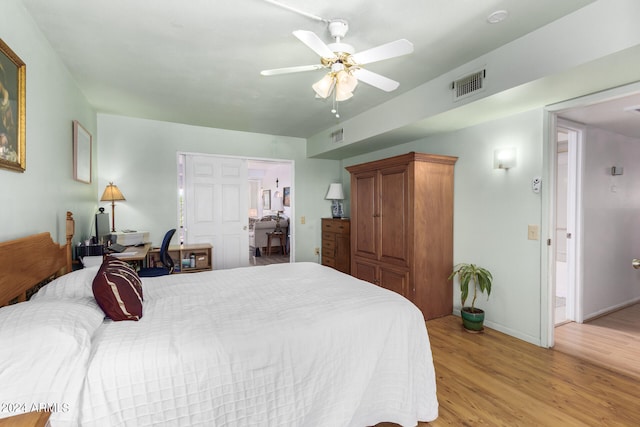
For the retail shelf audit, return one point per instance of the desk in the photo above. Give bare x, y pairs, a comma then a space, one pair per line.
181, 257
135, 255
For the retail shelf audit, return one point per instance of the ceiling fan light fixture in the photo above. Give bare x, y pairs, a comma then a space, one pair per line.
346, 81
342, 94
324, 86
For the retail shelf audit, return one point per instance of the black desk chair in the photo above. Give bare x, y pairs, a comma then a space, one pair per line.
165, 259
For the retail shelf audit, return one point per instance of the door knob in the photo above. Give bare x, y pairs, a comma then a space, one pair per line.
636, 263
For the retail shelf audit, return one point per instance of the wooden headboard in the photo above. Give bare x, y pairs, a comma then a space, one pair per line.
29, 261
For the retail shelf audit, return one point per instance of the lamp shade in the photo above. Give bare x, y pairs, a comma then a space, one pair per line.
111, 193
345, 85
504, 158
335, 192
276, 203
324, 86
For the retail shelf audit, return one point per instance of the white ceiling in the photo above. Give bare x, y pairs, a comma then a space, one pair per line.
620, 115
199, 61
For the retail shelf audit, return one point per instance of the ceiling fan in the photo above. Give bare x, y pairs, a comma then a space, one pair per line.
344, 64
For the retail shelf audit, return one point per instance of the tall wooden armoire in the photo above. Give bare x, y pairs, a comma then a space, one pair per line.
402, 227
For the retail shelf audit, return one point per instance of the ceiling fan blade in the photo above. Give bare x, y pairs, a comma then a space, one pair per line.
288, 70
314, 43
385, 51
375, 80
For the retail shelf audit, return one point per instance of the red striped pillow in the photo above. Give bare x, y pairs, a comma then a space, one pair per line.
118, 290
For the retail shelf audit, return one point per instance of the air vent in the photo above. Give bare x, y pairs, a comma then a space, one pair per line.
468, 85
337, 136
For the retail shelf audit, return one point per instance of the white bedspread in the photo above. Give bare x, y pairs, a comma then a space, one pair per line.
281, 345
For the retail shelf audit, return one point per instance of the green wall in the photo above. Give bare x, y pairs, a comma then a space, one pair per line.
140, 156
492, 209
37, 200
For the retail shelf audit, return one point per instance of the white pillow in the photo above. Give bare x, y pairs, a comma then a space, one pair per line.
44, 354
74, 285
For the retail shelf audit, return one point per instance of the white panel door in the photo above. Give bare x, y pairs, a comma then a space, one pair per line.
217, 206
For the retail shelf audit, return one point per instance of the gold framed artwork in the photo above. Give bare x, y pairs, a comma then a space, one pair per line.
81, 153
13, 76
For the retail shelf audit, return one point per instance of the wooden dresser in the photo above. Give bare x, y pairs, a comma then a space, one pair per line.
402, 228
336, 251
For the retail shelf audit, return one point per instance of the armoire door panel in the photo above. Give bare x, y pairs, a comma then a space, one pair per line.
364, 270
365, 207
395, 280
394, 214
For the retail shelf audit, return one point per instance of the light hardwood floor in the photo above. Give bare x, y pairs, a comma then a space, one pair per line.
612, 341
492, 379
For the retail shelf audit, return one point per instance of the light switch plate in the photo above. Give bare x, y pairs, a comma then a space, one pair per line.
533, 232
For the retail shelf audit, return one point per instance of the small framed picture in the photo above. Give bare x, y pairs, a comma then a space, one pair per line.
81, 153
13, 76
286, 196
266, 199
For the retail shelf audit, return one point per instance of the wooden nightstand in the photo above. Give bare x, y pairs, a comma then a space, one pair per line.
336, 243
29, 419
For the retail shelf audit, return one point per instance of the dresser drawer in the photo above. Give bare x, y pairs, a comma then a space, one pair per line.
328, 261
336, 243
328, 247
335, 226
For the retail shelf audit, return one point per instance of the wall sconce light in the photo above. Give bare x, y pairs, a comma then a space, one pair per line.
504, 158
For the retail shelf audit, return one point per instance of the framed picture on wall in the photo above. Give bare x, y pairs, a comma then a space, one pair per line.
81, 153
13, 76
286, 196
266, 199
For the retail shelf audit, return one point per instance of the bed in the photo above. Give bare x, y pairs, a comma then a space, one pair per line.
281, 345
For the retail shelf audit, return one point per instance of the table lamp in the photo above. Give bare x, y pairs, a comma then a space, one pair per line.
111, 194
335, 194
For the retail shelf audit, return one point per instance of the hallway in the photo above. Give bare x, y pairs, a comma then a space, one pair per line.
611, 341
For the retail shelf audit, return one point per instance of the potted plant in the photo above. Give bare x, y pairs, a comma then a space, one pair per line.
479, 278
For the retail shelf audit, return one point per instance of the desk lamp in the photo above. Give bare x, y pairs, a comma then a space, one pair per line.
111, 194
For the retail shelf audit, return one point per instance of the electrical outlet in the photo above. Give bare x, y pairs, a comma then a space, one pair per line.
317, 251
303, 220
533, 232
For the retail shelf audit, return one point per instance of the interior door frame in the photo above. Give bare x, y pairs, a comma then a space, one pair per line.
547, 251
574, 223
181, 183
548, 248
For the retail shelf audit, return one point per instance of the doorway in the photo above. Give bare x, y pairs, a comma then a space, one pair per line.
601, 121
217, 196
271, 209
567, 172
